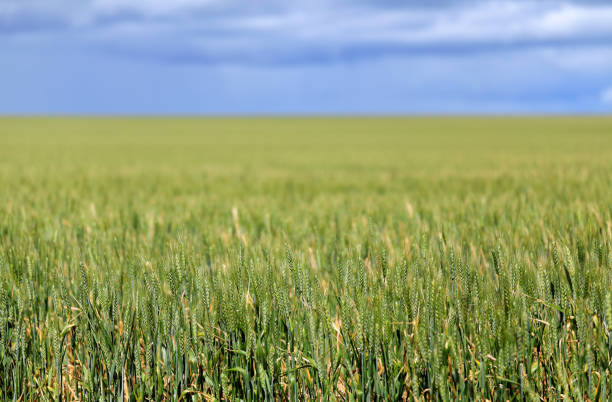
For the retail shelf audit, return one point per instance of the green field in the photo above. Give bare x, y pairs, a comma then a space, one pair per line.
302, 258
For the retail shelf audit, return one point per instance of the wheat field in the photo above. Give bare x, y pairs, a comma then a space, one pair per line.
306, 258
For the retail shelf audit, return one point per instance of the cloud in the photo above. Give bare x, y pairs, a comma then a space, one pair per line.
275, 32
305, 55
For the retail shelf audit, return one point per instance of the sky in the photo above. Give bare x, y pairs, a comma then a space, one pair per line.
230, 57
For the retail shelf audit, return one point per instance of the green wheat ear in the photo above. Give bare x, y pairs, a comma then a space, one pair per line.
608, 311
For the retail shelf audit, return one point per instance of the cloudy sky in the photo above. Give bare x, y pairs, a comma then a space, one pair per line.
305, 56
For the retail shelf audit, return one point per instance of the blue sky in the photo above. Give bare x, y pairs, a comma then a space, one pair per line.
305, 57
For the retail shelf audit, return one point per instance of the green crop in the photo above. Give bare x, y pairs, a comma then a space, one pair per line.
314, 258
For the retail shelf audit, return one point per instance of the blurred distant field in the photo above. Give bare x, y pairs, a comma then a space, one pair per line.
306, 257
435, 147
285, 164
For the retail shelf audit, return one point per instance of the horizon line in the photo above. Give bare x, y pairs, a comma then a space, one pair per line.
120, 116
